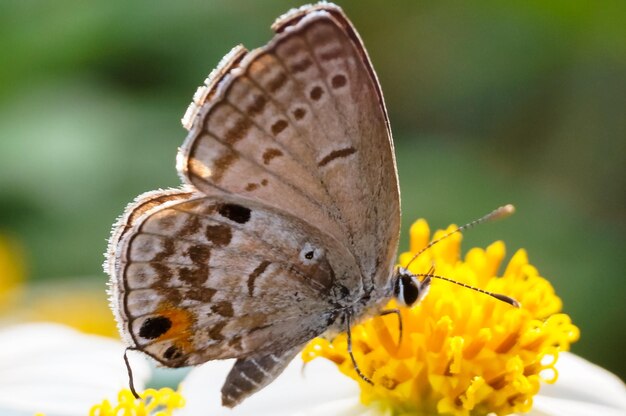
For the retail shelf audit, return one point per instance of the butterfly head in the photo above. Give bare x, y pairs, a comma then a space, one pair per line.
408, 289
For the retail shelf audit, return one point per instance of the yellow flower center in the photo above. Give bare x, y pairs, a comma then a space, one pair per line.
462, 353
153, 402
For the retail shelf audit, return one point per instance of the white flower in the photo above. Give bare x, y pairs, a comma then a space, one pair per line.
59, 371
582, 389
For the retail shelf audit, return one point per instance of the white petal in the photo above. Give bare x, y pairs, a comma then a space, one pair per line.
57, 370
582, 389
552, 406
318, 390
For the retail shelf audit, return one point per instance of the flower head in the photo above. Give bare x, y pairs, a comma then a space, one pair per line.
152, 402
462, 353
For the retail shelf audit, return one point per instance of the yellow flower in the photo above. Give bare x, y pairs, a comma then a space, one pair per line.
12, 271
462, 353
153, 402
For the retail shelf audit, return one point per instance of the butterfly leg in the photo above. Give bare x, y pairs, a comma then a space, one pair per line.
251, 374
397, 312
356, 366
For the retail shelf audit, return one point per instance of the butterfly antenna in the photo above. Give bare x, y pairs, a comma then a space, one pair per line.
503, 298
496, 214
131, 382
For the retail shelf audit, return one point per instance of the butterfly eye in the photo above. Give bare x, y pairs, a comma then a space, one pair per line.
408, 290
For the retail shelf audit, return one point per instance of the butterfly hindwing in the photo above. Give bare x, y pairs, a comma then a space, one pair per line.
202, 278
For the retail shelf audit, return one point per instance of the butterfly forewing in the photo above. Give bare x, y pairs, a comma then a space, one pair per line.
300, 124
290, 216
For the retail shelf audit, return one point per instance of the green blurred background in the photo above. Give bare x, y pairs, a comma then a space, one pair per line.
491, 102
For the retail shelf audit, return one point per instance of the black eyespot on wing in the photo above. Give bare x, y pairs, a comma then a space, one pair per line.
235, 213
154, 327
309, 255
172, 353
410, 292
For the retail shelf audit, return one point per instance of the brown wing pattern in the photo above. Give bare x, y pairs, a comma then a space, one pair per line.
203, 278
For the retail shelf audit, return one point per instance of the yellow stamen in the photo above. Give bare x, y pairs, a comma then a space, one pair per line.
153, 402
463, 353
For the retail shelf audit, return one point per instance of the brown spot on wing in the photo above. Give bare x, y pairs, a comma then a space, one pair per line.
336, 154
238, 131
316, 93
200, 294
338, 81
163, 272
256, 273
223, 308
279, 126
215, 332
270, 154
221, 165
195, 276
277, 83
298, 113
218, 234
168, 249
199, 254
191, 226
251, 186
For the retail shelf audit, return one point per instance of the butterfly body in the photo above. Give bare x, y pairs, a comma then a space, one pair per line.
287, 226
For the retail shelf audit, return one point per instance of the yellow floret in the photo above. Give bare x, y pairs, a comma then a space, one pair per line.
462, 353
153, 402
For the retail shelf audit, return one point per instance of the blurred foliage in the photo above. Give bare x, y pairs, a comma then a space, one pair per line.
491, 102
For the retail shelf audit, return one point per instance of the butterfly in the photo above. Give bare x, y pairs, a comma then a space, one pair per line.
287, 225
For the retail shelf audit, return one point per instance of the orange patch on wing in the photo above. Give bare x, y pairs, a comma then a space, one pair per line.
182, 322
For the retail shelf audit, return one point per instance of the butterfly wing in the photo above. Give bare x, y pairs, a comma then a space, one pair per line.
300, 124
208, 277
291, 207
